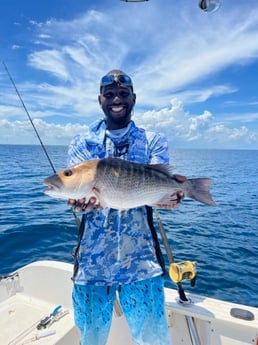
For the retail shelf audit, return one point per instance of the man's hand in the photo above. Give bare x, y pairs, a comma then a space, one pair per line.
179, 178
180, 195
175, 198
82, 205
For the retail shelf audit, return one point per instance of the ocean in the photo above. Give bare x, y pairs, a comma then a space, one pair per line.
222, 240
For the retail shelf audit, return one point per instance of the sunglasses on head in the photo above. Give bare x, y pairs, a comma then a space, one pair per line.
118, 78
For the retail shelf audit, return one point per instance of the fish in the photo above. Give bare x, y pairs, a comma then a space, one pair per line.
120, 184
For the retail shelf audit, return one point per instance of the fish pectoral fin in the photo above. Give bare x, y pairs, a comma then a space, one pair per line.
99, 196
168, 201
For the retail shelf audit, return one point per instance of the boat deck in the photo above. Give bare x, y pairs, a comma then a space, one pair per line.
20, 317
34, 292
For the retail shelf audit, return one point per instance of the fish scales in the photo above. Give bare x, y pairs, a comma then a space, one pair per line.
124, 175
124, 184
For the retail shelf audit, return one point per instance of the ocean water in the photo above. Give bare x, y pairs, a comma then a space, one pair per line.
223, 239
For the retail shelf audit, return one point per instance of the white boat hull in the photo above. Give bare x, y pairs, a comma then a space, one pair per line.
36, 289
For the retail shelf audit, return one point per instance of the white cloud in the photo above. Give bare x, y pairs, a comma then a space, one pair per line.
168, 49
202, 95
16, 46
184, 129
221, 134
50, 61
22, 132
162, 58
163, 64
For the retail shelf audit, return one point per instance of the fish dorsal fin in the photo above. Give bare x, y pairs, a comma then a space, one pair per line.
162, 168
165, 169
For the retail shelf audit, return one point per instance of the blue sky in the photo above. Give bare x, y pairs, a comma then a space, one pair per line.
195, 73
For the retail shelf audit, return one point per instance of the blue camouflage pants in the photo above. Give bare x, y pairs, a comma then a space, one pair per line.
142, 303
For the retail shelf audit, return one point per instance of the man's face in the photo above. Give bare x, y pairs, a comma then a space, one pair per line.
117, 102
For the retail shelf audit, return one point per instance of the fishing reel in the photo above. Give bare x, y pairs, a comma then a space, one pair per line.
183, 270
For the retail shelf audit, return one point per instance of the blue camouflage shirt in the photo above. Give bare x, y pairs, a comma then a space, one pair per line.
117, 245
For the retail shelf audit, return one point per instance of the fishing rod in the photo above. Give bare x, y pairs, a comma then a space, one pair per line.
26, 110
178, 272
77, 220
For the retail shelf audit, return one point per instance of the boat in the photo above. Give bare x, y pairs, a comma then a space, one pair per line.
36, 307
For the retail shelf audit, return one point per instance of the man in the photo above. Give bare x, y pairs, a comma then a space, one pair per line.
116, 252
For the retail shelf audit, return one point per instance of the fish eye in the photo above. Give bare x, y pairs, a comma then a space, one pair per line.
68, 172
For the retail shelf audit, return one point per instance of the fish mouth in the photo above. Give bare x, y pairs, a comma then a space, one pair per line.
52, 187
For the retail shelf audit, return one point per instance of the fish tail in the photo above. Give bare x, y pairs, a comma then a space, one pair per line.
199, 189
